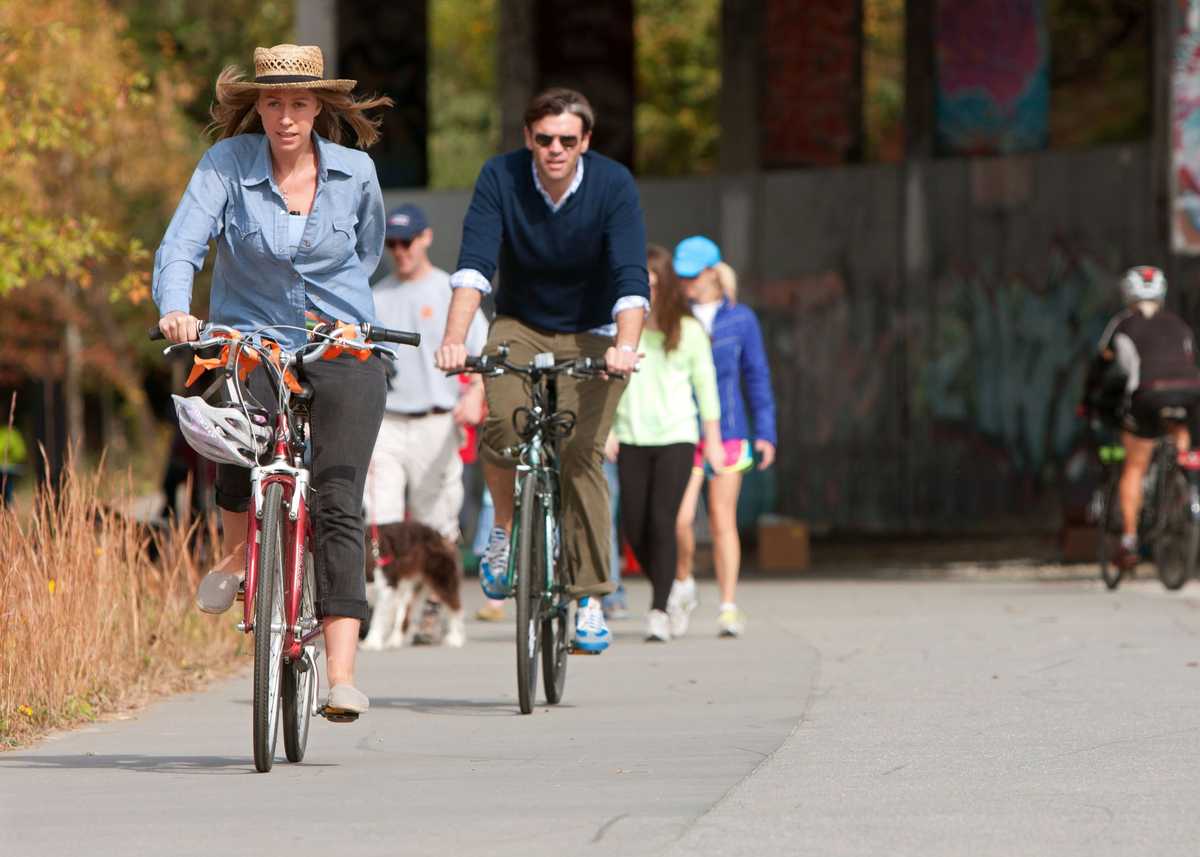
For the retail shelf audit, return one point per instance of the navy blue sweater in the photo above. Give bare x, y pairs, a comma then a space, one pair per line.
559, 270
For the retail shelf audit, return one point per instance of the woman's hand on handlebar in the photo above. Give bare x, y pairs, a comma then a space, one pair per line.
179, 326
451, 356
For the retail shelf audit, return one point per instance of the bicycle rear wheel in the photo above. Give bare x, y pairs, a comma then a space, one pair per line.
300, 679
1108, 525
529, 594
555, 639
1176, 545
268, 629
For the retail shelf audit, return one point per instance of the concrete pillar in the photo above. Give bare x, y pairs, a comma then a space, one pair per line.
740, 155
316, 24
385, 47
517, 67
589, 47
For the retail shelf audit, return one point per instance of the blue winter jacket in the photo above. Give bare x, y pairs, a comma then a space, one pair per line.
742, 374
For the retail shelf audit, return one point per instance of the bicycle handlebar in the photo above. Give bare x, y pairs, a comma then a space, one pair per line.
499, 365
369, 332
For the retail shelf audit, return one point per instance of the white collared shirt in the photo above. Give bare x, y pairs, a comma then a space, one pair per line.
472, 279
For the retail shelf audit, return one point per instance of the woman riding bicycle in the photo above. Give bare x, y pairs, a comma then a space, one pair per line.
1153, 350
299, 225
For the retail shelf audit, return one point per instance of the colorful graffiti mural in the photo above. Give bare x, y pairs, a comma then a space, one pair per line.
955, 409
1185, 136
993, 80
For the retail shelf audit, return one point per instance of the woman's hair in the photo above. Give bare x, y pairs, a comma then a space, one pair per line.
727, 277
233, 112
670, 303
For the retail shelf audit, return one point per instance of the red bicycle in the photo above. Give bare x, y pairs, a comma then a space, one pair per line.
278, 590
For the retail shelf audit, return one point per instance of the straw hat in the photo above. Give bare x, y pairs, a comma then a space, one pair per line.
290, 67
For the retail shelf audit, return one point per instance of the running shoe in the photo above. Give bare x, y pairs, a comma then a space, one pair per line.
591, 632
680, 604
615, 605
493, 611
658, 627
493, 569
731, 622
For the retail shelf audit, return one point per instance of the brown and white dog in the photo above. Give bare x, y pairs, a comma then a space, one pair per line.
411, 557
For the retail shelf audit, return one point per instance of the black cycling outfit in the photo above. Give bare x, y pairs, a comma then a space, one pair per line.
1157, 355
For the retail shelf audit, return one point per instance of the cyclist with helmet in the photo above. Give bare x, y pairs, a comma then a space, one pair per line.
299, 226
1153, 350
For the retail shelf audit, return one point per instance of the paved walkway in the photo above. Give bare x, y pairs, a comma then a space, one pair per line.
931, 717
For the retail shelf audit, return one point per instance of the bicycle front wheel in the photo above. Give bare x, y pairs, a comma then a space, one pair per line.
300, 679
555, 642
529, 593
1177, 543
268, 629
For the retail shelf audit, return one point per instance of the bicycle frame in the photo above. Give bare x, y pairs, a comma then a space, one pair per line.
297, 531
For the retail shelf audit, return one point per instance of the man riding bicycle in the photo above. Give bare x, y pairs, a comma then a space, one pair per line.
564, 228
1151, 349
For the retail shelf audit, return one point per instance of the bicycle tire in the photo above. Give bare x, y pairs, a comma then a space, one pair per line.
268, 642
1110, 512
528, 597
1175, 547
300, 680
555, 639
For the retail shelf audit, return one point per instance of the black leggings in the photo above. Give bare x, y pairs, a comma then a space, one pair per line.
653, 480
346, 411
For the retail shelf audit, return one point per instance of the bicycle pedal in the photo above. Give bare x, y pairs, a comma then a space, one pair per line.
571, 650
337, 715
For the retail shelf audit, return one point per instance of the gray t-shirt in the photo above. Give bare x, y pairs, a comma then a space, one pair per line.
422, 305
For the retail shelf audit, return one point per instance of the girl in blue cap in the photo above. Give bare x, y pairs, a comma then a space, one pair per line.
742, 376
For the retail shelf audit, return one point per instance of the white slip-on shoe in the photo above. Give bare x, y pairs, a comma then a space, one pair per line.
658, 627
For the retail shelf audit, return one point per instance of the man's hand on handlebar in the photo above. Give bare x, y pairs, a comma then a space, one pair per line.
179, 326
621, 361
451, 356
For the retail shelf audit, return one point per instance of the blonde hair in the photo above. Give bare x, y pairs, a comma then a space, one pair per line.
727, 277
233, 112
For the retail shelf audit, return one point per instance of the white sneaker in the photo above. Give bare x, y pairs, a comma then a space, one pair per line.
731, 621
680, 604
658, 627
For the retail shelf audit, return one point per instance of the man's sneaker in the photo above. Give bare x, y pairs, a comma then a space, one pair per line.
731, 622
1127, 558
493, 611
658, 627
493, 569
680, 604
591, 633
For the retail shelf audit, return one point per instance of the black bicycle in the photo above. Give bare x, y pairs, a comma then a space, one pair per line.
534, 567
1169, 521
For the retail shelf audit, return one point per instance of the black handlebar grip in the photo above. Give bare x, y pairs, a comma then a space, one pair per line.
155, 333
476, 362
400, 337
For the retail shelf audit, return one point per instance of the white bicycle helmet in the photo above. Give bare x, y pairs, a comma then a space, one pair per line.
1143, 283
222, 434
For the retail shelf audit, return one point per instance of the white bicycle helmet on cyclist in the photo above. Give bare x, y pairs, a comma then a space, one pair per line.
222, 434
1143, 283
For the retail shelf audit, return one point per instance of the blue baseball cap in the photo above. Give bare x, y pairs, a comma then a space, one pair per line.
693, 255
405, 223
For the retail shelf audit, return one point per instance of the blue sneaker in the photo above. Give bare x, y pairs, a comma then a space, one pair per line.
493, 568
591, 633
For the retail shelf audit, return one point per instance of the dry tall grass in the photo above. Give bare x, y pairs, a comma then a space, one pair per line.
88, 624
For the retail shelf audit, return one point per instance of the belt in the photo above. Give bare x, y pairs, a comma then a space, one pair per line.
414, 415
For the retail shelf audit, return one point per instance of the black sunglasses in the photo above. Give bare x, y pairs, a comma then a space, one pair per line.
569, 141
402, 242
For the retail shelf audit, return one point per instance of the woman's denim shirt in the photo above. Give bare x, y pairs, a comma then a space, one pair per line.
233, 198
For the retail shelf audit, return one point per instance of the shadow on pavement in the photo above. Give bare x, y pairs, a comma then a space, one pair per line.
455, 707
136, 762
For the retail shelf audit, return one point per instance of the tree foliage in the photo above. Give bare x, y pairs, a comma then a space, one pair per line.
678, 55
464, 111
